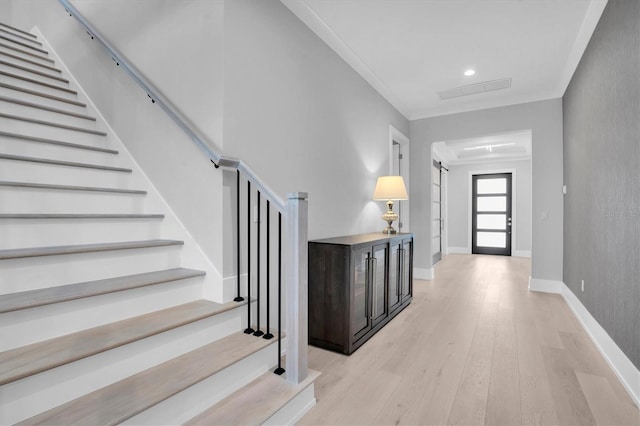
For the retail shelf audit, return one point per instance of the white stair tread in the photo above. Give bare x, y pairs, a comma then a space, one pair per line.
46, 296
39, 82
56, 142
19, 363
28, 46
28, 61
63, 163
71, 187
34, 71
53, 124
83, 248
254, 403
20, 36
42, 94
25, 52
17, 30
46, 108
124, 399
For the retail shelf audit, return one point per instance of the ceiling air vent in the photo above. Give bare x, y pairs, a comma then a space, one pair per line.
472, 89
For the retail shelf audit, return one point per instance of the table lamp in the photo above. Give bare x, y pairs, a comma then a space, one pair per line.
389, 188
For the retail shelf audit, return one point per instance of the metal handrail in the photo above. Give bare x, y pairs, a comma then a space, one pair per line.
201, 141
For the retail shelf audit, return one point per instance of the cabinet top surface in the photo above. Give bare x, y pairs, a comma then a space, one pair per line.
349, 240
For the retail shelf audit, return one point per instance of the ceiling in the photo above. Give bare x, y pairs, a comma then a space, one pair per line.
410, 50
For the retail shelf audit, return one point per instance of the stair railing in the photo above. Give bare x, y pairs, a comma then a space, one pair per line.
294, 211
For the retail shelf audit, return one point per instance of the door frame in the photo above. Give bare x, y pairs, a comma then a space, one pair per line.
514, 214
400, 138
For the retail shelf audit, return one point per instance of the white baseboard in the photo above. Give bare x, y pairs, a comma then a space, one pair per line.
545, 286
521, 253
458, 250
628, 374
621, 365
423, 273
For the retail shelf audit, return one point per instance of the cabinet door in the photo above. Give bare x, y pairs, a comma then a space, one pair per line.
395, 276
360, 299
407, 272
379, 283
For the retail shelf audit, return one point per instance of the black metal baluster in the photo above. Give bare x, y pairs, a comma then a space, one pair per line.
279, 370
248, 330
258, 332
238, 297
268, 334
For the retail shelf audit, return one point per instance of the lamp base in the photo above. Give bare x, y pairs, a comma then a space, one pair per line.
389, 230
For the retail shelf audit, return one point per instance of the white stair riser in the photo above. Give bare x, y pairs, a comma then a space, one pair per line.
295, 409
52, 132
37, 130
27, 326
20, 233
50, 116
33, 75
192, 401
24, 55
30, 396
41, 100
14, 36
39, 87
50, 271
27, 148
22, 171
29, 200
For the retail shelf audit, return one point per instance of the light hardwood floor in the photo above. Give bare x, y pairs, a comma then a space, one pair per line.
474, 347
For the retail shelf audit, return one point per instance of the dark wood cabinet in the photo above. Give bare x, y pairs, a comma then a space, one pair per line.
357, 284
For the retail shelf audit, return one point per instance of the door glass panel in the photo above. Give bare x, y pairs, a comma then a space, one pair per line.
492, 186
378, 283
435, 245
435, 228
491, 239
435, 175
492, 204
492, 221
435, 194
360, 317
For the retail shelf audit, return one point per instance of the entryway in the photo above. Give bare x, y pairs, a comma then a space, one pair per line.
491, 214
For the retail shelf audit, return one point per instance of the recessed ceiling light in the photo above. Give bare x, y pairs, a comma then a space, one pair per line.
469, 72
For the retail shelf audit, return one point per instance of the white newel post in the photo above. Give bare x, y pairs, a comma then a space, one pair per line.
296, 286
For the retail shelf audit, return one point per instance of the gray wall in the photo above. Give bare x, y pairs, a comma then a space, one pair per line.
303, 119
544, 118
459, 198
602, 173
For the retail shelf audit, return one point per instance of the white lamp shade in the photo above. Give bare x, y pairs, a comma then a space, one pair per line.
390, 188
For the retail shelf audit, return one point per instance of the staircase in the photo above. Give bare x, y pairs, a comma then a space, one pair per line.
102, 315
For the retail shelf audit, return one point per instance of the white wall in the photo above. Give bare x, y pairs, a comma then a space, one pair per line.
184, 177
459, 200
303, 119
544, 118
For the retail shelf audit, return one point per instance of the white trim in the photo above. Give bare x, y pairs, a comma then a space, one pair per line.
589, 23
514, 198
423, 273
307, 15
545, 286
521, 253
459, 250
403, 140
627, 373
621, 365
